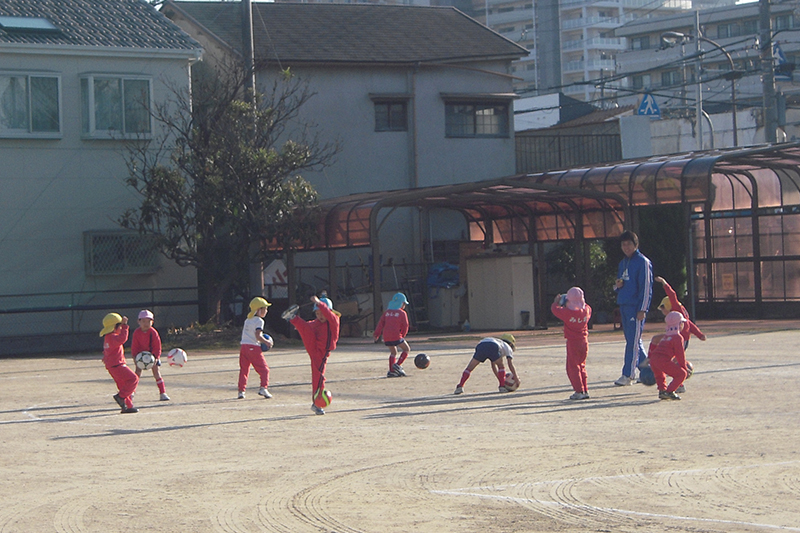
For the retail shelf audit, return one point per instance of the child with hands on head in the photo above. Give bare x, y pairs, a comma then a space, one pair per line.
573, 310
394, 326
115, 333
250, 347
147, 339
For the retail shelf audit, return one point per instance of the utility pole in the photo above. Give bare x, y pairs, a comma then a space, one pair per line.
698, 72
256, 267
768, 73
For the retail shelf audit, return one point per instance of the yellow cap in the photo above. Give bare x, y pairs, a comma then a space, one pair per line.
665, 303
255, 304
110, 322
509, 338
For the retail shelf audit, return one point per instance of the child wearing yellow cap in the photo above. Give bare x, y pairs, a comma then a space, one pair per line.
115, 333
250, 347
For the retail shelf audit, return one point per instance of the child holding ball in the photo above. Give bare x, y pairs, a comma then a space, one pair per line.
147, 339
250, 348
575, 313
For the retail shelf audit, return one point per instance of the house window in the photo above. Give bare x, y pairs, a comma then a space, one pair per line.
640, 43
29, 104
671, 78
784, 22
468, 119
115, 106
119, 253
391, 116
641, 81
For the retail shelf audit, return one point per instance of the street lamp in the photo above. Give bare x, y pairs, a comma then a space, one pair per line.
671, 38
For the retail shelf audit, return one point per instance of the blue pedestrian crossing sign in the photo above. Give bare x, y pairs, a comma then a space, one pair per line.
649, 106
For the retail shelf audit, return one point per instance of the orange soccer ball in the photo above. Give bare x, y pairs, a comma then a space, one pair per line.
322, 398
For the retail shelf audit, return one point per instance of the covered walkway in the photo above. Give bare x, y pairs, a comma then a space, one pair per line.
742, 210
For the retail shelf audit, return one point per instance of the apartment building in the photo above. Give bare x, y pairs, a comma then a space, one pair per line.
730, 37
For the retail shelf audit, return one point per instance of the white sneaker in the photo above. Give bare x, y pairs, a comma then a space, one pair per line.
241, 395
502, 389
164, 397
577, 396
264, 392
623, 381
317, 410
459, 389
681, 389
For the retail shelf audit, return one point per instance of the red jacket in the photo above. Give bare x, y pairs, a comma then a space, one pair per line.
113, 352
393, 324
319, 338
576, 323
668, 346
689, 328
146, 342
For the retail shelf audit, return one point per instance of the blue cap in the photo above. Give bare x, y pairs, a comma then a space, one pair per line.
326, 301
397, 301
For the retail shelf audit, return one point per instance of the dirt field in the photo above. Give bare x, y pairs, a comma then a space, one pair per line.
404, 454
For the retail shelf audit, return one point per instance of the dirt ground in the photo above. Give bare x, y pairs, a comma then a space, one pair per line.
405, 454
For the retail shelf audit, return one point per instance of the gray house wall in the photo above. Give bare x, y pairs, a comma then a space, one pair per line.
52, 190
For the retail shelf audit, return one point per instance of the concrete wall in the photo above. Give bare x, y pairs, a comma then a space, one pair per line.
53, 190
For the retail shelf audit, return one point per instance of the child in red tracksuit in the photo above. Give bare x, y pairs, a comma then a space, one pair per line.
115, 333
319, 338
667, 357
147, 339
670, 303
394, 326
575, 313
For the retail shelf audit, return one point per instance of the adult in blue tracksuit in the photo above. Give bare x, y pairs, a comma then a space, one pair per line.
634, 288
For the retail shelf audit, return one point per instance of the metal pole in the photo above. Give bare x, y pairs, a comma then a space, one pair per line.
733, 78
768, 73
699, 102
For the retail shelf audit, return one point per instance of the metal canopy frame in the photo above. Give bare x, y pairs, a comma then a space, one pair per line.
588, 202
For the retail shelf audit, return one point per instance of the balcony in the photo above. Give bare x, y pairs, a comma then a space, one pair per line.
600, 43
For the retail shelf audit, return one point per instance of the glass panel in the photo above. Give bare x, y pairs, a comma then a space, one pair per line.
491, 120
791, 234
85, 111
745, 282
668, 183
790, 186
381, 117
699, 239
644, 184
742, 198
397, 117
792, 280
44, 104
459, 120
723, 242
772, 283
107, 104
770, 238
769, 187
137, 105
721, 193
701, 282
14, 103
744, 237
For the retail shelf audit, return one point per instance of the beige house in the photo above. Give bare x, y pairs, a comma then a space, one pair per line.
76, 80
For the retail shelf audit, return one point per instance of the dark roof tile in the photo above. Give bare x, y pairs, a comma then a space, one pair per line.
104, 23
348, 33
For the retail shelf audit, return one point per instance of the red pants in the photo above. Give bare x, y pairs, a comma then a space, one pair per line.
126, 380
664, 366
318, 364
577, 349
250, 354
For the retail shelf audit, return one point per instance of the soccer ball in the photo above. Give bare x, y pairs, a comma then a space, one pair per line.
422, 361
322, 398
144, 360
264, 346
177, 357
510, 384
690, 369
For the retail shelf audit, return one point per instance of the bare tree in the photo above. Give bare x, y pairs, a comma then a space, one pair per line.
223, 177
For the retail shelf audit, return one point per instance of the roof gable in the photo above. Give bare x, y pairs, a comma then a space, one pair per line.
352, 33
101, 23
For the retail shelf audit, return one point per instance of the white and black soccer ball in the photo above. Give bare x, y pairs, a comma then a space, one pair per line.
145, 360
510, 384
177, 357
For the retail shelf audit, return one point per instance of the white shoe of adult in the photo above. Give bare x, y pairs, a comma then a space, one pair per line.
623, 381
264, 392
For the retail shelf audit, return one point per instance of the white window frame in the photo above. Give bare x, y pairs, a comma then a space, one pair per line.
89, 127
28, 132
478, 106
